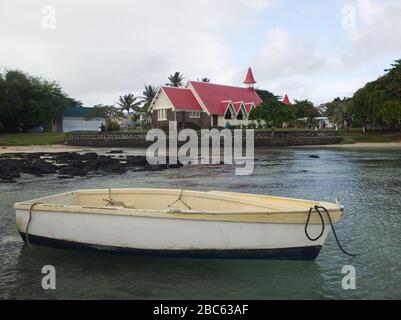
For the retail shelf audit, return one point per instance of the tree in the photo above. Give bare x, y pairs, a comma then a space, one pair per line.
338, 111
147, 97
377, 103
108, 112
274, 113
391, 112
176, 80
204, 79
266, 95
27, 101
129, 102
305, 109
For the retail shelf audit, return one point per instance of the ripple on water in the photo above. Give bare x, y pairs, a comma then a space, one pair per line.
367, 183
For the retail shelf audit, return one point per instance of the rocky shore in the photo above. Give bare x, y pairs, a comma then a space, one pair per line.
72, 164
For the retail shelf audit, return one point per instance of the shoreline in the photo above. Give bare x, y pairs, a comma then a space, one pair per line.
359, 146
66, 148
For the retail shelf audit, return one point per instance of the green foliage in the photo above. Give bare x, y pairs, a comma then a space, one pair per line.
305, 109
27, 101
107, 112
274, 113
147, 97
378, 102
266, 95
176, 80
29, 139
112, 126
338, 111
129, 102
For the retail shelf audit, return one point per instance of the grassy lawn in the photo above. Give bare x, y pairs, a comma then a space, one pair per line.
356, 135
28, 139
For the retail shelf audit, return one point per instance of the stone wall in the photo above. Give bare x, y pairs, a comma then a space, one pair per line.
262, 139
296, 138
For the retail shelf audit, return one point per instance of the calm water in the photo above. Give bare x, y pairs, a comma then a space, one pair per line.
367, 182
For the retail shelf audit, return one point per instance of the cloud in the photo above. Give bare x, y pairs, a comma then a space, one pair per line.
378, 29
307, 68
104, 48
101, 49
259, 4
283, 55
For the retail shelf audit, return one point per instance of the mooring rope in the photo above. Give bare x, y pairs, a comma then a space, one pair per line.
180, 199
317, 209
29, 222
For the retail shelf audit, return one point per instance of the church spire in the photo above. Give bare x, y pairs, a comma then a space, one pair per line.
249, 79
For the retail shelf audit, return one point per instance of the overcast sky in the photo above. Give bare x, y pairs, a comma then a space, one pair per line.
100, 49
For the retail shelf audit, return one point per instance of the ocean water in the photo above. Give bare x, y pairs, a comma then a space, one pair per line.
368, 183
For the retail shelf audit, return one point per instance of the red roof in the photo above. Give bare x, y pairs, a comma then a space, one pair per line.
182, 98
212, 95
249, 77
225, 105
237, 106
286, 101
248, 106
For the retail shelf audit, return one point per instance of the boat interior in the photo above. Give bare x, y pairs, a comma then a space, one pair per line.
179, 200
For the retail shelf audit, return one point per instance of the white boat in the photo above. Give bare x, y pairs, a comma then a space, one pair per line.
179, 223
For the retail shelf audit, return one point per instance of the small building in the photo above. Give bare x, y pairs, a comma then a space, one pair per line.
203, 105
126, 123
75, 119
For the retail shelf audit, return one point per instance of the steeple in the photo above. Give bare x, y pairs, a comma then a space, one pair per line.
286, 100
249, 79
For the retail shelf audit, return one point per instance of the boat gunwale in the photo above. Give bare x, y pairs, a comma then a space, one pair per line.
271, 216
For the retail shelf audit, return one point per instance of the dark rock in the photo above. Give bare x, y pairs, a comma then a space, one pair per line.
67, 156
77, 164
89, 156
314, 156
136, 160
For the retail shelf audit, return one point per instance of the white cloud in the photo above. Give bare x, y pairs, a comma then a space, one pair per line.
307, 69
259, 4
378, 29
284, 55
103, 48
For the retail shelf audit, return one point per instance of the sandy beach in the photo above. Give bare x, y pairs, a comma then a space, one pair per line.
50, 148
66, 148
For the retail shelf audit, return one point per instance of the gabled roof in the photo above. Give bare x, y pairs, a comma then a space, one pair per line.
249, 106
182, 98
225, 105
286, 100
212, 95
249, 79
237, 106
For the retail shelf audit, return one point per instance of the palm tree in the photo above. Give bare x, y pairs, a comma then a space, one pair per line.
129, 102
176, 80
147, 96
204, 79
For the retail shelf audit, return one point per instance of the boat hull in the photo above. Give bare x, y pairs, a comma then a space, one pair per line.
296, 253
169, 236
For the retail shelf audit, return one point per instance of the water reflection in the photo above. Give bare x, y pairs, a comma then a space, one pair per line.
102, 275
